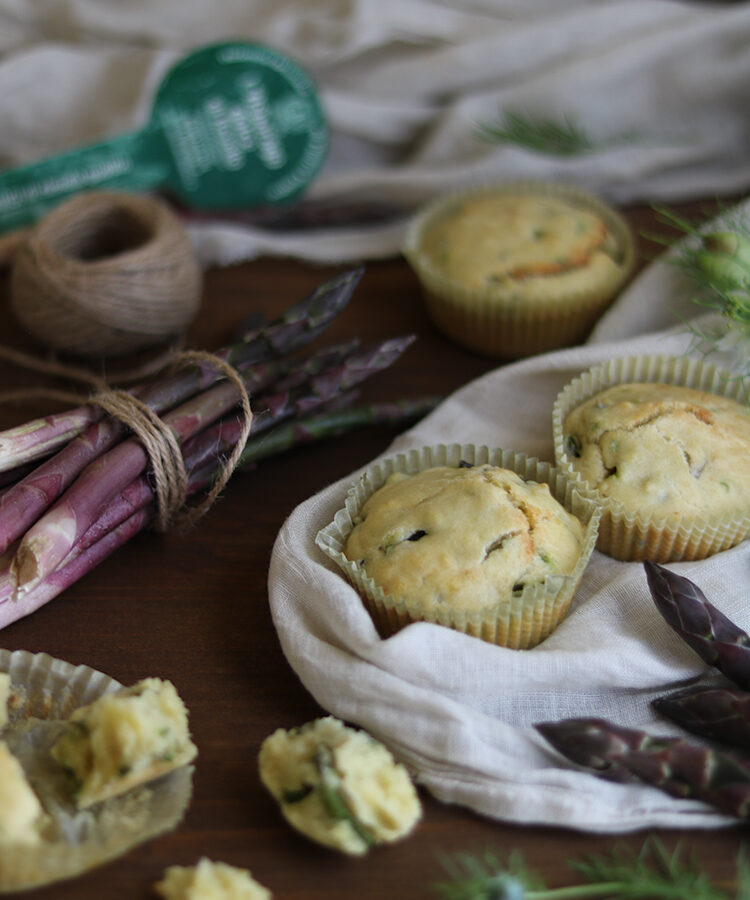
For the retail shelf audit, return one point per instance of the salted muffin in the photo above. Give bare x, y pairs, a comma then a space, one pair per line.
670, 463
517, 269
123, 739
339, 786
210, 880
21, 814
469, 536
488, 542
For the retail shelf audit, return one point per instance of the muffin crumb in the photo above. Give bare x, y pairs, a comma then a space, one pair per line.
339, 786
210, 880
123, 739
21, 813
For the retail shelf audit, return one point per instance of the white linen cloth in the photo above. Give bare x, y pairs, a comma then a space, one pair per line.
661, 87
461, 711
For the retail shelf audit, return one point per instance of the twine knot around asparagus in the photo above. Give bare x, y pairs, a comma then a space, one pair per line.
167, 467
165, 455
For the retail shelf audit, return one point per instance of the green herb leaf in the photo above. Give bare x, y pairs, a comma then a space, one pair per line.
487, 877
545, 135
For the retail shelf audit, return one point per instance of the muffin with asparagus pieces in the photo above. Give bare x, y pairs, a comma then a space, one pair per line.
662, 444
339, 786
490, 543
61, 819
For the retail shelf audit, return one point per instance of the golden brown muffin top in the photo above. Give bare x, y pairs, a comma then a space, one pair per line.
466, 537
497, 240
663, 450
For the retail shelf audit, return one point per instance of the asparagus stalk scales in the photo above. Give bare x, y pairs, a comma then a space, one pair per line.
332, 423
52, 537
713, 636
716, 712
294, 329
672, 764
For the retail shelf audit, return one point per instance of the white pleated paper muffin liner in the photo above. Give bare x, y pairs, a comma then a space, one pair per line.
632, 535
527, 617
44, 691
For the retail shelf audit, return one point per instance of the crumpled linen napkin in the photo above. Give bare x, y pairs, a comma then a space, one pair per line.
660, 87
460, 711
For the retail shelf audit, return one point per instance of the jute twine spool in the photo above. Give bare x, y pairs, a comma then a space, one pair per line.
105, 273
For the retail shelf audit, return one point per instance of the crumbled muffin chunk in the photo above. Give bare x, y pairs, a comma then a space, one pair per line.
210, 880
21, 814
339, 786
123, 739
501, 239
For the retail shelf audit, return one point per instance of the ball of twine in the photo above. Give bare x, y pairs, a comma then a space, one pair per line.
105, 273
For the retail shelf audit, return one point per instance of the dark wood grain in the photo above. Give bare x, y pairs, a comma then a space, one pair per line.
194, 609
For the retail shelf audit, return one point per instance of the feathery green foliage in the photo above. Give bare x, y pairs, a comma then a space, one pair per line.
542, 134
717, 263
651, 873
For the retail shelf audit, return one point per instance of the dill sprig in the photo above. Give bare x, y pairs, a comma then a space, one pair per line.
545, 135
625, 874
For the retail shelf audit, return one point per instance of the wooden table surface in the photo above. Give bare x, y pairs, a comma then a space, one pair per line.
194, 609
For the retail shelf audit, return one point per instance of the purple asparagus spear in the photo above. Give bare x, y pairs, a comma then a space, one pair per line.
720, 713
56, 582
713, 636
672, 764
133, 510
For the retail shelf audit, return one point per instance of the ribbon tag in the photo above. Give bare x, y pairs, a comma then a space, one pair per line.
233, 126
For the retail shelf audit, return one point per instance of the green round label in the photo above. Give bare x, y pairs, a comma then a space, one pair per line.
243, 126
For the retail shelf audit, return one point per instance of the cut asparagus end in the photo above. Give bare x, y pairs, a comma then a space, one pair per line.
332, 794
24, 570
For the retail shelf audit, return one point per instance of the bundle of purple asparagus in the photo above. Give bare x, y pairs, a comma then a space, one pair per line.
79, 484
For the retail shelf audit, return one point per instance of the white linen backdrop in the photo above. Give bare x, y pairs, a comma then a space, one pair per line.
460, 711
661, 87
